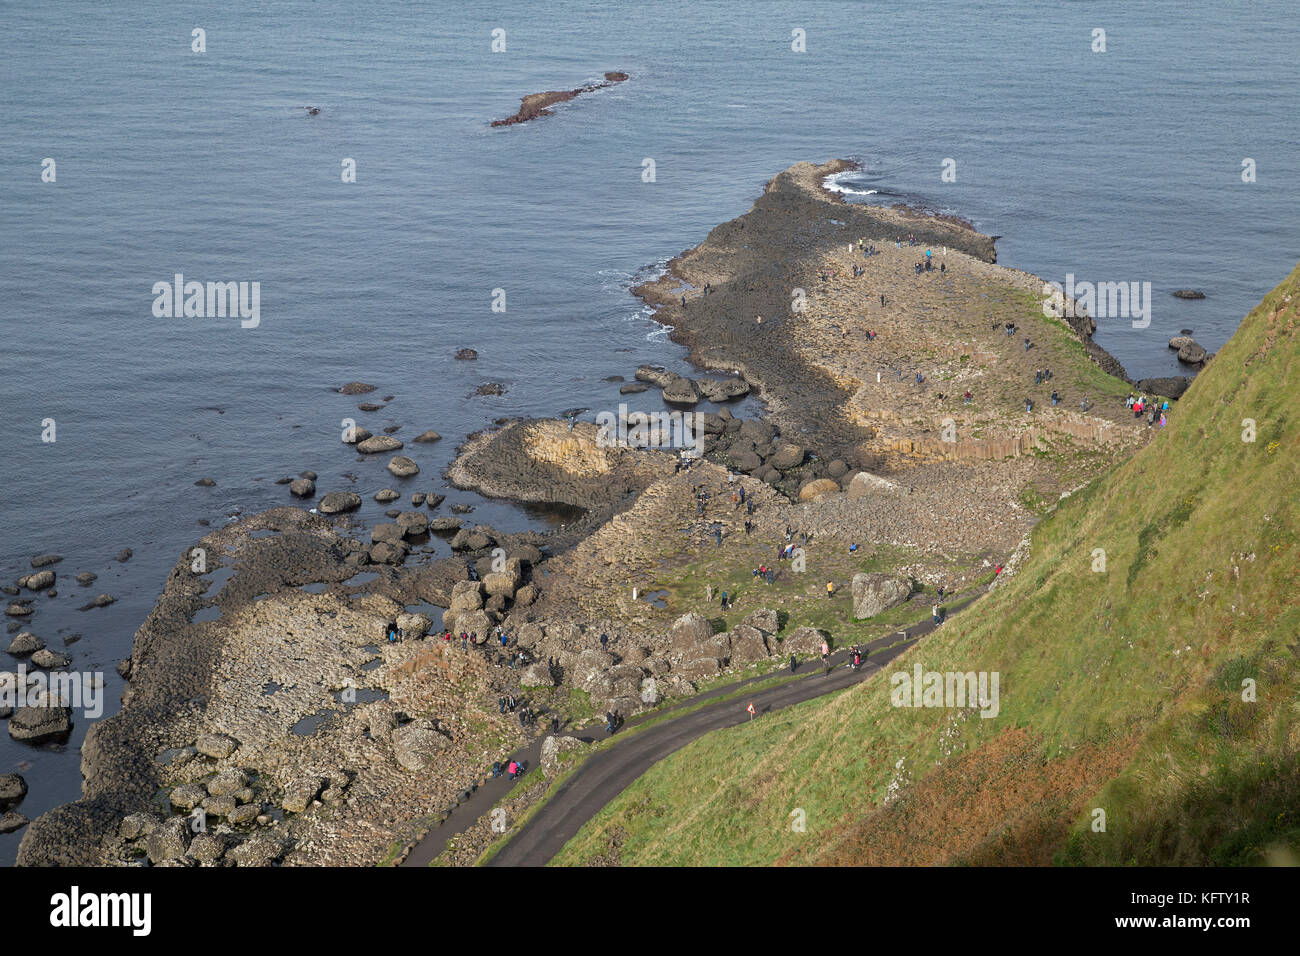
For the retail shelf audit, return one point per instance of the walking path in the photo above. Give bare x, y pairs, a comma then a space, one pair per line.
607, 773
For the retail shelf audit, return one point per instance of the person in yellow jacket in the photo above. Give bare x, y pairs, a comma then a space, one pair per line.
830, 589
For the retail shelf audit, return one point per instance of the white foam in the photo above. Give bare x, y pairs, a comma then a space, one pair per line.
834, 183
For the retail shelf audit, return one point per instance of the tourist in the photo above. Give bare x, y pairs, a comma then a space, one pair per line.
1055, 398
826, 653
830, 589
934, 611
513, 769
794, 663
724, 600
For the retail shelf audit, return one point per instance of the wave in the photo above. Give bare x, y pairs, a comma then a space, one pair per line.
836, 183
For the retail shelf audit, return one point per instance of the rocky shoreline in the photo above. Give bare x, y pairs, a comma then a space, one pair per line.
263, 695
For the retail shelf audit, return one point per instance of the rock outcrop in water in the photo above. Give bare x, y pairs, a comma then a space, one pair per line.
539, 104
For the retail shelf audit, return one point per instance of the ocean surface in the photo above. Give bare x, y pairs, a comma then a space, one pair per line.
1117, 166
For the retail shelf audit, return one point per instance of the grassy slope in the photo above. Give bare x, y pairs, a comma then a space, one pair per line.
1120, 691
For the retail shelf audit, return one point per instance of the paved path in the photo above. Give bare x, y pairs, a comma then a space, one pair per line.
607, 773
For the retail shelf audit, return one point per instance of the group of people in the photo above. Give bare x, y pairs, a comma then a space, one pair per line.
613, 721
1152, 409
766, 573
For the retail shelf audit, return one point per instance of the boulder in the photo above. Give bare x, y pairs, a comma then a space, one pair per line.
385, 495
385, 552
651, 694
12, 790
227, 782
261, 849
466, 355
681, 391
302, 487
875, 593
207, 847
725, 390
747, 645
537, 675
379, 445
697, 669
552, 747
414, 626
50, 660
1188, 294
471, 539
526, 595
745, 461
413, 523
785, 456
337, 502
655, 375
45, 560
170, 840
136, 825
1192, 354
299, 795
416, 744
760, 433
12, 821
477, 623
403, 467
690, 636
818, 488
24, 643
764, 619
388, 532
355, 435
188, 796
1171, 388
217, 746
36, 724
466, 596
1178, 341
357, 388
39, 581
804, 640
864, 483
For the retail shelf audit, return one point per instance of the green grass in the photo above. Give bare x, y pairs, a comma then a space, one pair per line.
1121, 690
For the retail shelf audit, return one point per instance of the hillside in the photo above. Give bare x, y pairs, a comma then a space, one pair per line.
1124, 690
